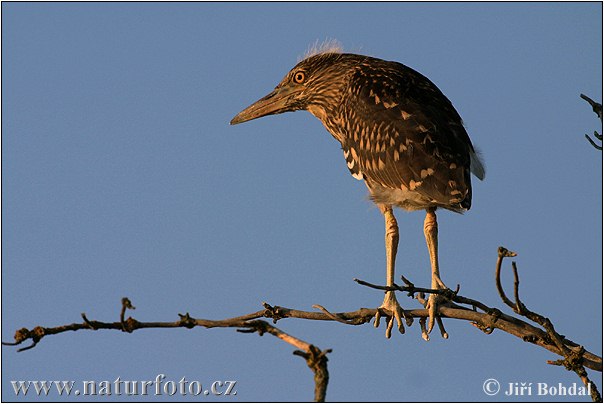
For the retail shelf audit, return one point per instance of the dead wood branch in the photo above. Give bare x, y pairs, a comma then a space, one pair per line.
573, 355
597, 108
492, 318
485, 318
250, 323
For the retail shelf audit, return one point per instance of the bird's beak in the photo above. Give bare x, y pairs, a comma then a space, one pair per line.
280, 100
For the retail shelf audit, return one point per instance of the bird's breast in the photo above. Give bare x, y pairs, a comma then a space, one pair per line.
406, 171
402, 197
401, 158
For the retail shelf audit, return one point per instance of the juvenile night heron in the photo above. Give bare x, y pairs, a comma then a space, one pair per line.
399, 134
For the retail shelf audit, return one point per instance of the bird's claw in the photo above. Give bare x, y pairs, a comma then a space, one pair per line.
396, 313
433, 317
432, 307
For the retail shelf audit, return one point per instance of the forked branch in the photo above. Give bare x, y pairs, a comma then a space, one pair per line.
485, 318
573, 354
597, 108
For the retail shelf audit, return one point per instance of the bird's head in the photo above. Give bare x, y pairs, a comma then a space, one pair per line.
314, 84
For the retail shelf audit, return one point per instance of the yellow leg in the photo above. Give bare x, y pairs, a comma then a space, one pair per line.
390, 303
431, 233
391, 241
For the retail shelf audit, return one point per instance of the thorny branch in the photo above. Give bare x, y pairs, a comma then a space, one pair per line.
485, 318
597, 108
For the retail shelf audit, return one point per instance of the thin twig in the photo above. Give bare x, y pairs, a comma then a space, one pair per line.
502, 253
597, 136
597, 108
333, 316
126, 304
573, 357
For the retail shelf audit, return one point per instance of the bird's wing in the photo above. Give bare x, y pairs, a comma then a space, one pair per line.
405, 134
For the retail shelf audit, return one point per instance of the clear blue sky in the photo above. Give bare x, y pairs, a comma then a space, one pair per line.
122, 177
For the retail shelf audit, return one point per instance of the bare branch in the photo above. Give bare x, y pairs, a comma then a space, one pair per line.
126, 304
491, 319
333, 316
485, 318
315, 358
249, 323
317, 362
597, 108
573, 356
502, 252
597, 136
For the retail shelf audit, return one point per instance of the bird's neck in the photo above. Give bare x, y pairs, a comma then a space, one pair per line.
330, 120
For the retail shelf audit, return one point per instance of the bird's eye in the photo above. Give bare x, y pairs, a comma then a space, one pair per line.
299, 77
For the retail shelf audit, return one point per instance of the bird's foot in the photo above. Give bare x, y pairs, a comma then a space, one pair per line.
392, 310
434, 301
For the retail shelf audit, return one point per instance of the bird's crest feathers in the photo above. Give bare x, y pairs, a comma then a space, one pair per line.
320, 48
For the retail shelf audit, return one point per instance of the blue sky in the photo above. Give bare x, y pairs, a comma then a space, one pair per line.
122, 177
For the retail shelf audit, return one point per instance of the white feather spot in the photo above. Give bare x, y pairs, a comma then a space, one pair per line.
414, 184
424, 173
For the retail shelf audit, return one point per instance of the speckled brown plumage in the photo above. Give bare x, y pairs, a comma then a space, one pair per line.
399, 133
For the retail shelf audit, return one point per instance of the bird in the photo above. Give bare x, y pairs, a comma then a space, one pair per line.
399, 134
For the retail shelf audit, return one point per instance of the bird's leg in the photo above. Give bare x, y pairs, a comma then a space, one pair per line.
390, 303
431, 233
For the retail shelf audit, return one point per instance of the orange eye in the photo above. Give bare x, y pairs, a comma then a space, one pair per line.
299, 77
